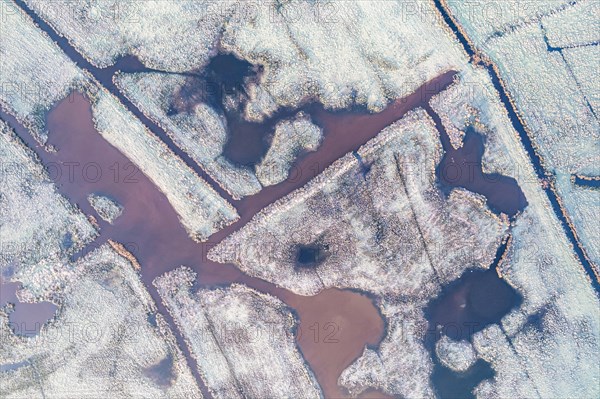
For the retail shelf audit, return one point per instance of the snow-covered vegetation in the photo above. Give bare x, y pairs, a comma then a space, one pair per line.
583, 206
200, 132
575, 26
291, 138
29, 86
456, 355
107, 340
242, 340
39, 229
107, 208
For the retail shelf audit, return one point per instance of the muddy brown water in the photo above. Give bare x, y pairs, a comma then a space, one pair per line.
334, 326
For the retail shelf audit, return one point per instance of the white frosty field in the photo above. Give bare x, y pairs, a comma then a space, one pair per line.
575, 26
311, 50
107, 208
539, 263
39, 228
201, 210
28, 87
375, 221
202, 133
105, 341
242, 340
456, 355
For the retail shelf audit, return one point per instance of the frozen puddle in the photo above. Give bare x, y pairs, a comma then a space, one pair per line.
25, 319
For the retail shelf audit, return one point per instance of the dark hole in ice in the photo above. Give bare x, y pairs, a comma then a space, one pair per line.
228, 73
67, 241
309, 256
463, 168
152, 319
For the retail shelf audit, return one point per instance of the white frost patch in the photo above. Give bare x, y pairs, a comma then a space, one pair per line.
107, 208
456, 355
485, 19
104, 30
585, 64
563, 127
576, 25
102, 343
201, 210
583, 207
31, 81
337, 52
39, 228
243, 340
292, 137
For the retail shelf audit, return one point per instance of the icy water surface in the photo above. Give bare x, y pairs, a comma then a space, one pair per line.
476, 300
27, 318
463, 168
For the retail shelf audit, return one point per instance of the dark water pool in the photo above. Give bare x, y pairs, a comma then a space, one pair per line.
476, 300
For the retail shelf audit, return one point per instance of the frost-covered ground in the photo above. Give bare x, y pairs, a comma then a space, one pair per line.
242, 340
201, 132
583, 206
291, 138
547, 346
547, 55
456, 355
373, 221
107, 340
28, 87
26, 55
339, 52
107, 208
39, 228
400, 366
389, 232
575, 26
